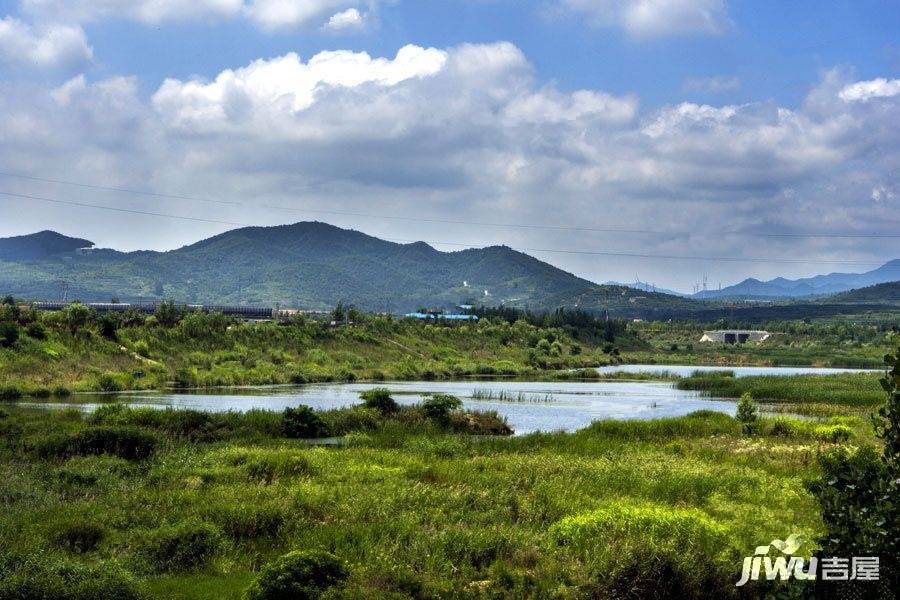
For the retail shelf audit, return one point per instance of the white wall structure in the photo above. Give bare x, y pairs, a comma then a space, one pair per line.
735, 336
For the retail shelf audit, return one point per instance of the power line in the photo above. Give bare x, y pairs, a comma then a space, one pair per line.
457, 244
444, 221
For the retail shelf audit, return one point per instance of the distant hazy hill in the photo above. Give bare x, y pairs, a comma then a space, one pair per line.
311, 265
810, 286
883, 292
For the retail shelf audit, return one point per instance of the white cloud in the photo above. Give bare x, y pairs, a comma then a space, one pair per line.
49, 47
342, 21
467, 133
268, 14
863, 91
651, 18
271, 90
712, 85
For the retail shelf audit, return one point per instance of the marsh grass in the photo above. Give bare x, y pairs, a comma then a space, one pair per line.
412, 508
848, 389
489, 395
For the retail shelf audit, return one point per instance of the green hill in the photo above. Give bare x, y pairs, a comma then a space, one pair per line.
309, 265
884, 292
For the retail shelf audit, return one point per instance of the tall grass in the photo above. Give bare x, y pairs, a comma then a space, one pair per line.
850, 389
489, 395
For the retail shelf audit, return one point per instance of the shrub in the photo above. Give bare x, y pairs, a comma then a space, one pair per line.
37, 579
108, 324
62, 391
379, 399
183, 547
251, 522
36, 331
834, 433
747, 413
129, 443
10, 392
438, 407
40, 392
9, 335
77, 535
782, 428
299, 575
303, 423
109, 383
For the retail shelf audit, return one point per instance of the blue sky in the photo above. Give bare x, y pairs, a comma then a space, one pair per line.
682, 116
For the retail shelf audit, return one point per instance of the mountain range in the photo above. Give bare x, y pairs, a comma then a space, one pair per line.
314, 265
820, 285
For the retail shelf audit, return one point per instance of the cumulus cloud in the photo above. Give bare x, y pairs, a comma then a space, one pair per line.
47, 47
650, 18
864, 91
344, 20
268, 14
467, 133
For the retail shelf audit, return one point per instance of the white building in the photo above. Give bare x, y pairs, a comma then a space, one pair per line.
735, 336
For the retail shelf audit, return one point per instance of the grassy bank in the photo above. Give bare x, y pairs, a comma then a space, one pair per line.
845, 389
409, 507
859, 341
55, 353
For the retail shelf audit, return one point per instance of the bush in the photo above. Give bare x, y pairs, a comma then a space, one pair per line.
251, 522
438, 407
834, 433
298, 576
109, 383
183, 547
783, 428
9, 335
77, 535
62, 391
10, 392
129, 443
36, 331
35, 579
303, 423
379, 399
747, 413
108, 325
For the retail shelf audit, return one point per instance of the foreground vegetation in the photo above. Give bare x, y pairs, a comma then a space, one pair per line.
77, 350
136, 503
843, 389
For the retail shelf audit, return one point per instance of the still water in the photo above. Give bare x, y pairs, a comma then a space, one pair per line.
527, 406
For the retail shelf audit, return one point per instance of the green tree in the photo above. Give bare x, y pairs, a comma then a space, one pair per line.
77, 316
338, 312
438, 407
859, 490
747, 413
9, 335
109, 325
379, 399
168, 314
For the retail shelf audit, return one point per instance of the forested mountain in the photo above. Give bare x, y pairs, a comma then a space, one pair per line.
883, 292
811, 286
309, 265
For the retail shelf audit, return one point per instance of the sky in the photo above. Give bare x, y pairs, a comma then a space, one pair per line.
662, 140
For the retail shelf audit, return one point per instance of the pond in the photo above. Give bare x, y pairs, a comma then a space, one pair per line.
528, 406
